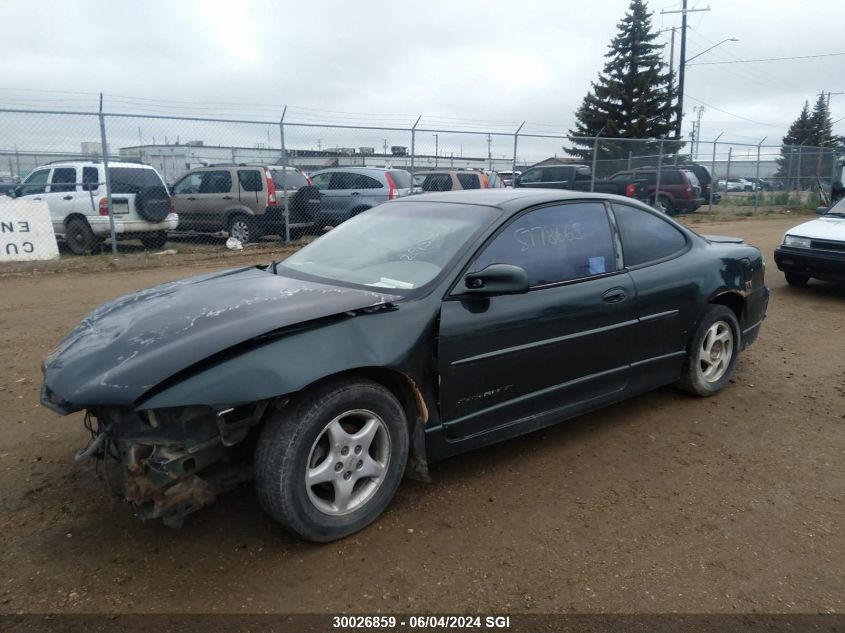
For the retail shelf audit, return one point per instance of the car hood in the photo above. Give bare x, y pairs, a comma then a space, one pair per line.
821, 229
130, 344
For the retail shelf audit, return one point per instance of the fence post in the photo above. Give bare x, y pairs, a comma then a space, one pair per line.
659, 169
798, 174
413, 149
18, 161
757, 177
285, 173
728, 170
714, 181
513, 164
595, 160
104, 152
630, 154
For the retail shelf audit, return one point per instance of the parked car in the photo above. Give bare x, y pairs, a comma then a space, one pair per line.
761, 184
430, 325
75, 193
508, 176
457, 180
8, 184
680, 191
247, 201
814, 249
736, 185
348, 191
576, 178
705, 181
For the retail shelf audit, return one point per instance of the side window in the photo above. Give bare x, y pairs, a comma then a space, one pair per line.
250, 179
343, 180
90, 178
365, 182
645, 236
672, 178
63, 179
216, 182
555, 244
469, 181
532, 175
321, 181
189, 184
36, 182
650, 177
437, 182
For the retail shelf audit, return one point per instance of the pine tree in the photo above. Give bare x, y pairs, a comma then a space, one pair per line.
633, 96
809, 149
798, 135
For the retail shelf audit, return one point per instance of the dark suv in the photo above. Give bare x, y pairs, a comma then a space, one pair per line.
680, 190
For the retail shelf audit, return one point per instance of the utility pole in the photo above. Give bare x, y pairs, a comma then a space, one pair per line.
384, 146
679, 108
489, 155
699, 110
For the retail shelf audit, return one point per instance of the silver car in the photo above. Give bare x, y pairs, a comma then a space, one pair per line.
347, 191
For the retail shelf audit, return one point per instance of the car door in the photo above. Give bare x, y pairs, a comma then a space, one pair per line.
61, 194
327, 199
533, 178
372, 192
342, 195
213, 198
185, 193
252, 194
667, 292
560, 348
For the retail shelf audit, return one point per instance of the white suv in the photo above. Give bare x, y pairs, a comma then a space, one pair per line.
75, 193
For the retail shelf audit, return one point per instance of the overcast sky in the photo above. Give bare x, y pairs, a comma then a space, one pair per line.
492, 64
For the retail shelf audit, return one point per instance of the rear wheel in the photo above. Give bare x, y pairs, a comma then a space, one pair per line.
80, 238
713, 353
155, 240
243, 228
664, 205
329, 463
794, 279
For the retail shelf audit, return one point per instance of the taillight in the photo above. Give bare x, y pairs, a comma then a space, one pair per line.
271, 189
485, 183
689, 192
630, 190
308, 179
104, 206
707, 188
394, 192
172, 204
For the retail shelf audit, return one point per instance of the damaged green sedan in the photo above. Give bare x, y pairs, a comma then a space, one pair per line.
425, 327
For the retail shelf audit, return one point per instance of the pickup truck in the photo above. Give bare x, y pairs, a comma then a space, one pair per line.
576, 178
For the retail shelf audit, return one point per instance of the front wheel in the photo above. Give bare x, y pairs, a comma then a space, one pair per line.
713, 353
329, 463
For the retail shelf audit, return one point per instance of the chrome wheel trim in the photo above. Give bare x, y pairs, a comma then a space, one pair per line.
239, 230
716, 351
347, 462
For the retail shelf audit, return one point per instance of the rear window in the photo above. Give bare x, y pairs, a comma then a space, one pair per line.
693, 179
132, 179
469, 181
402, 179
290, 178
671, 178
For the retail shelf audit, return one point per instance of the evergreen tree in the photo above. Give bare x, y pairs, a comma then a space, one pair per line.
633, 96
798, 135
809, 149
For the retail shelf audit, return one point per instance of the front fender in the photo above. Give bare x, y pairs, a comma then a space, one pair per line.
400, 339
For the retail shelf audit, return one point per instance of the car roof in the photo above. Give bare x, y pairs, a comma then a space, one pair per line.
359, 170
510, 199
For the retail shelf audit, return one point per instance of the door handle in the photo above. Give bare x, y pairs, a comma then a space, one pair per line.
224, 197
67, 198
189, 198
614, 295
36, 198
356, 193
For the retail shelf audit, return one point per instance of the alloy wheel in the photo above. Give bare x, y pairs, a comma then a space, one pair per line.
717, 349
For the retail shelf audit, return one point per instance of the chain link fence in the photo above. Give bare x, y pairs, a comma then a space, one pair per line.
129, 182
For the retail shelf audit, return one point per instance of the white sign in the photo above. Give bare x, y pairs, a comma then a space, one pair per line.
26, 232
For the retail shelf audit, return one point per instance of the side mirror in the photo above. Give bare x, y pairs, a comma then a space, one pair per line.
821, 210
16, 192
497, 279
517, 181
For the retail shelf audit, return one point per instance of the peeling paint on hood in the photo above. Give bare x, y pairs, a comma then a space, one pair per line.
134, 342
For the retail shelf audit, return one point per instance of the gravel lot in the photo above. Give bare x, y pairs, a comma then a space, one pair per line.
664, 503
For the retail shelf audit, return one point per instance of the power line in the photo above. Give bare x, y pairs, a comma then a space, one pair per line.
736, 115
769, 59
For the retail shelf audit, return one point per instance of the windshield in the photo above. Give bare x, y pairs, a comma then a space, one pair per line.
838, 209
401, 246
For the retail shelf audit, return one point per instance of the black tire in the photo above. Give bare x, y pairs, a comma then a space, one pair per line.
244, 228
287, 446
664, 204
794, 279
693, 377
80, 238
154, 240
153, 203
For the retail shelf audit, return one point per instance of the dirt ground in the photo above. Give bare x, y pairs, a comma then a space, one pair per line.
665, 503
